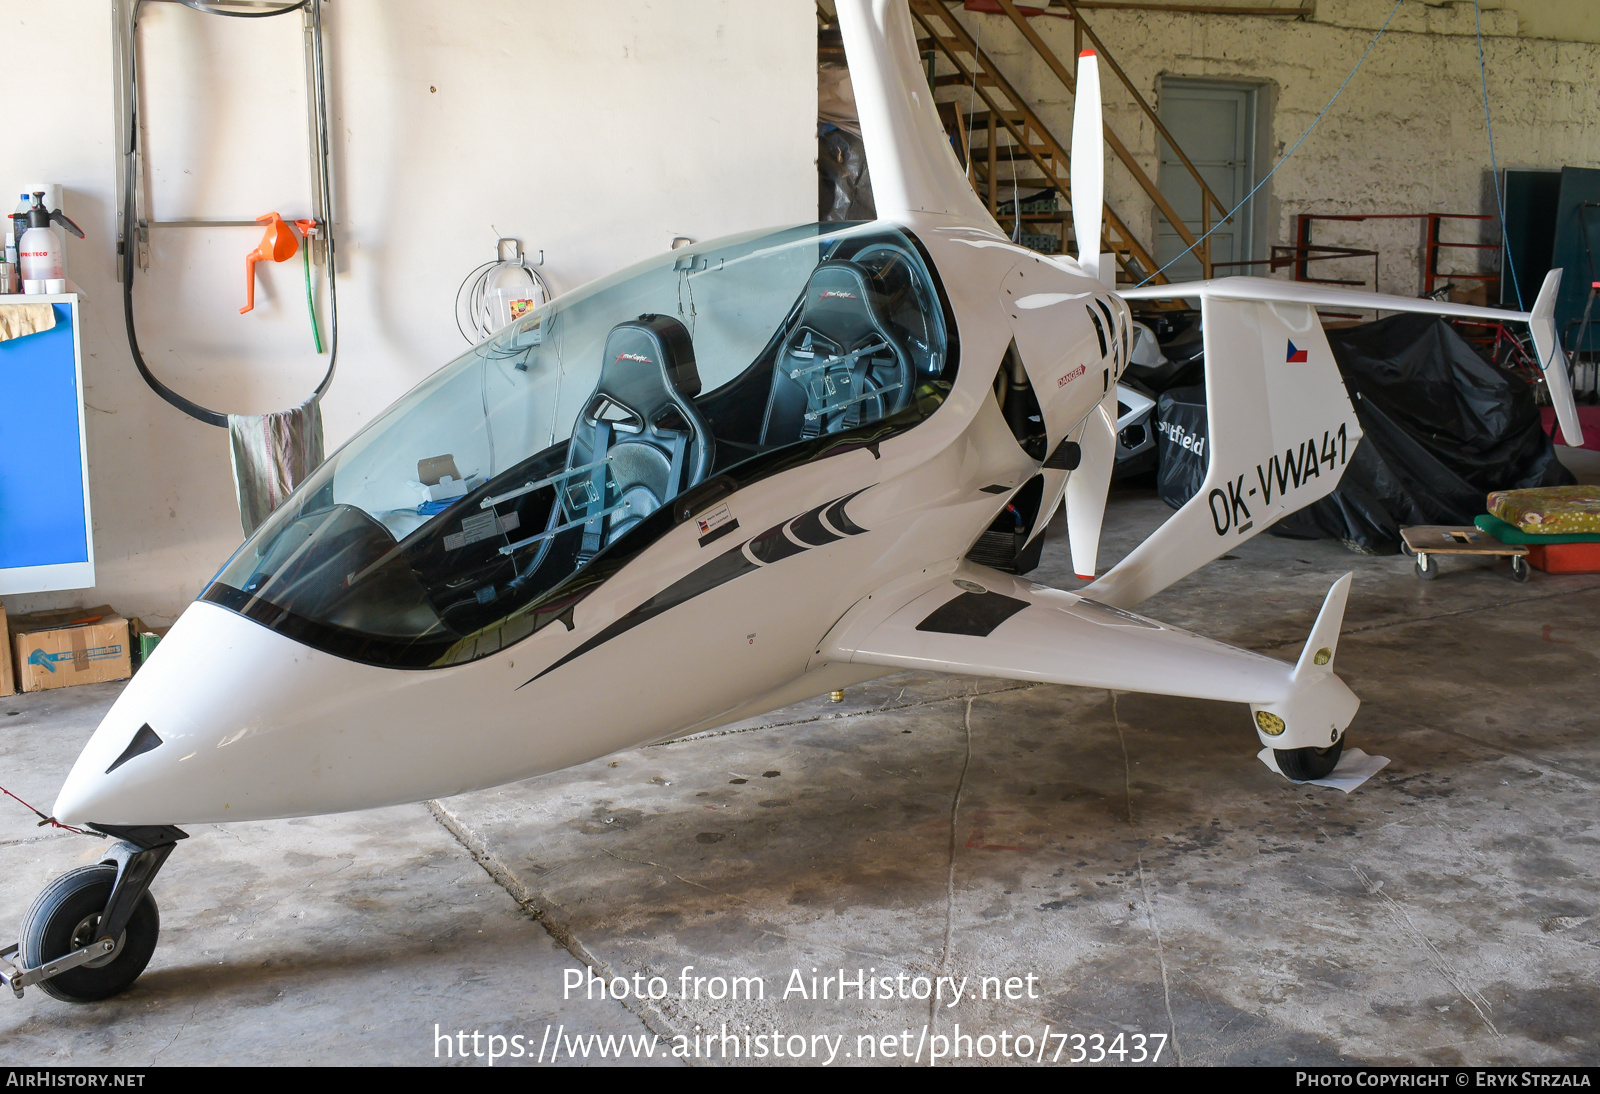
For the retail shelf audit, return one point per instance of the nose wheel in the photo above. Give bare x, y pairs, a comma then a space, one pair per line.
92, 931
66, 919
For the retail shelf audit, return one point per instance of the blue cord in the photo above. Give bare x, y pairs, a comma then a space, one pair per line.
1286, 155
1499, 198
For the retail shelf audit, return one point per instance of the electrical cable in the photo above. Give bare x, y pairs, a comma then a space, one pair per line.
130, 210
200, 5
1494, 171
1228, 219
473, 311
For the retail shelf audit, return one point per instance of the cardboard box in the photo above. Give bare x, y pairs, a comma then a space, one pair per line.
63, 648
1475, 293
7, 687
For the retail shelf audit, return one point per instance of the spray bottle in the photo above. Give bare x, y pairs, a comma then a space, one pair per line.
40, 249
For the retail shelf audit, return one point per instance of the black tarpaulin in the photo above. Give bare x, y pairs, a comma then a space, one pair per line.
1442, 426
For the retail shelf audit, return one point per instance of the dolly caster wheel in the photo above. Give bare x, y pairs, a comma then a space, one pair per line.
1427, 569
66, 917
1305, 764
1519, 568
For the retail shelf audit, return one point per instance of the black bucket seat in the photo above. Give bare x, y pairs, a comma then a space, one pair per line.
843, 362
640, 430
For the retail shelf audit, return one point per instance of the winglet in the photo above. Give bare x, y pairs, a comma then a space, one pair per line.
1323, 643
1542, 325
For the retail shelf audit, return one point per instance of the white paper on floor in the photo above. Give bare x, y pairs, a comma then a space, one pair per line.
1354, 768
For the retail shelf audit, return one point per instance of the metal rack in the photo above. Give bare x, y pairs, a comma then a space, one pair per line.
134, 227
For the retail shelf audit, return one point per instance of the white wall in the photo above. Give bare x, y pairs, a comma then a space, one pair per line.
596, 131
1406, 136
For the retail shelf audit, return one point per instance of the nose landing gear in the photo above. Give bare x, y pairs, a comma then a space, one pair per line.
92, 931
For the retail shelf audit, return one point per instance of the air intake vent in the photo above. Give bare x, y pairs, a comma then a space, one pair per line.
143, 741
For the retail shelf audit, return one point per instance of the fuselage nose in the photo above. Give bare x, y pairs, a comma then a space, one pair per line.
154, 745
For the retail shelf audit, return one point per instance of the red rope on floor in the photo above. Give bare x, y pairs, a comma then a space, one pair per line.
43, 820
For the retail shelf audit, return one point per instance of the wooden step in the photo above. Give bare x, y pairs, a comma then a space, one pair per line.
1011, 152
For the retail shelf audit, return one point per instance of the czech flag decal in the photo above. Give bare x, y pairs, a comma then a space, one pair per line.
1296, 356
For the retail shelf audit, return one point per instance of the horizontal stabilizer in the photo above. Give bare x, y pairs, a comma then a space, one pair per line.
1541, 320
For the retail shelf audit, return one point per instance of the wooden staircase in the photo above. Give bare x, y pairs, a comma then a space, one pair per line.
1008, 131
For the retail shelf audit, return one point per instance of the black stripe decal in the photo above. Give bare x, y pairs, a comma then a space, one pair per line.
773, 546
719, 571
808, 529
769, 547
836, 519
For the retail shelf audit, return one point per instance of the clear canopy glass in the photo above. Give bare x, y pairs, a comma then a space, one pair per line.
490, 498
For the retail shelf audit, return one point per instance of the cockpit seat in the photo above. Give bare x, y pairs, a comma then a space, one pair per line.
843, 361
638, 440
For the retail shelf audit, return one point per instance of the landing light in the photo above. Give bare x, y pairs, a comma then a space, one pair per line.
1270, 723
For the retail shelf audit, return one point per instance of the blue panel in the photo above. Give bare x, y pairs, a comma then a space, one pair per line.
41, 471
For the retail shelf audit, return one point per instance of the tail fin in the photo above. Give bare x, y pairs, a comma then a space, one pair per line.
914, 169
1542, 325
1088, 163
1281, 430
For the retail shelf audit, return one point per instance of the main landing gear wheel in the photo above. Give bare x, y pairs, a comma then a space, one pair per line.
66, 917
1305, 764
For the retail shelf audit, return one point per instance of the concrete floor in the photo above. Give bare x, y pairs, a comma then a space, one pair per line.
1128, 852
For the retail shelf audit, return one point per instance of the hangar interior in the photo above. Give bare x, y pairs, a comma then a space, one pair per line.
1119, 864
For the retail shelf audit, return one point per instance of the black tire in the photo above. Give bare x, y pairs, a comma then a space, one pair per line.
1519, 568
1427, 568
1305, 764
71, 904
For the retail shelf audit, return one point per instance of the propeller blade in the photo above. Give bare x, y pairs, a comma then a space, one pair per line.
1088, 486
1088, 163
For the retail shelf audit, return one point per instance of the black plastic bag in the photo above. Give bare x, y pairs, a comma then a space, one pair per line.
844, 182
1180, 443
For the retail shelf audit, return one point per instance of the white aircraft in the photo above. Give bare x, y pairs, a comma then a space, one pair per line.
716, 483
